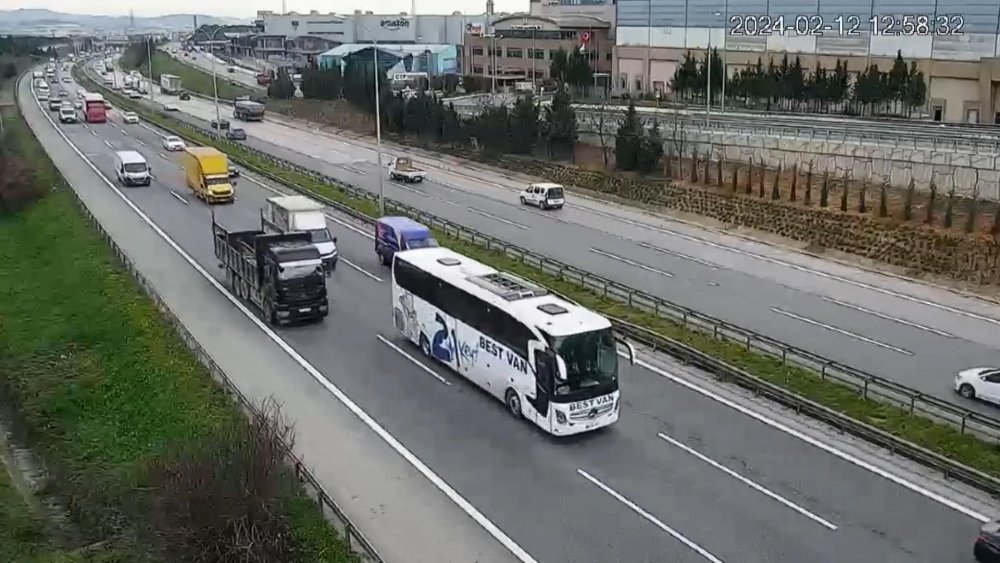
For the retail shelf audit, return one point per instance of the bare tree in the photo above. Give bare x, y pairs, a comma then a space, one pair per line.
598, 120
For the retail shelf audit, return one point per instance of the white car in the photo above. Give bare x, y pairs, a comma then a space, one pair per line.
172, 143
130, 117
544, 196
170, 107
979, 383
135, 95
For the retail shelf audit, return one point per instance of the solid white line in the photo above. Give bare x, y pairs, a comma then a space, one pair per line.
805, 269
361, 270
415, 361
832, 450
630, 262
496, 218
366, 418
759, 488
402, 186
889, 317
650, 518
179, 196
842, 331
662, 250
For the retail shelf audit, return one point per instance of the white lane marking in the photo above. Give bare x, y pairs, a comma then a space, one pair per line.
92, 132
828, 448
889, 317
759, 488
838, 330
630, 262
141, 142
110, 146
361, 270
124, 132
498, 218
366, 418
805, 269
163, 156
650, 518
402, 186
415, 361
179, 196
683, 256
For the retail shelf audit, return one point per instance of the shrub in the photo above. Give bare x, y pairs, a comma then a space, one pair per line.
18, 185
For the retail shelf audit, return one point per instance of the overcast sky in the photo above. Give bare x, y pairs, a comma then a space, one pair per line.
245, 9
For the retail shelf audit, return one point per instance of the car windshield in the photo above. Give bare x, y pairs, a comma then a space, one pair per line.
591, 360
173, 140
135, 167
286, 273
428, 242
320, 235
555, 193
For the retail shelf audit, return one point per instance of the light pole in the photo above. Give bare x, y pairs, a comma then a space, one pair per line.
149, 57
725, 58
378, 130
708, 82
215, 80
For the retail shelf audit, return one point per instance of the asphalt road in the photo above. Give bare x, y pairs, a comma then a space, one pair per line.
716, 486
909, 332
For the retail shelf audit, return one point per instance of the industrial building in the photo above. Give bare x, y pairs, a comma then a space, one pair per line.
954, 42
398, 59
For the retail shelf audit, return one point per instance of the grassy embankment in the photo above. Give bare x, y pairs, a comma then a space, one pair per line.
194, 79
941, 438
113, 401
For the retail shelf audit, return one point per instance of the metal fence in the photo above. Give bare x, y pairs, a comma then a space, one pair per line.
864, 384
357, 543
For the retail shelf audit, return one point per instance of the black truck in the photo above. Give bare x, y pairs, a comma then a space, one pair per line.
279, 274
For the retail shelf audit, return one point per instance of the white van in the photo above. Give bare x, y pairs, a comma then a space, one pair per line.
544, 195
131, 169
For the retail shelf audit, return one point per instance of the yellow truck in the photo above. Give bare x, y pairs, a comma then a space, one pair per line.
207, 172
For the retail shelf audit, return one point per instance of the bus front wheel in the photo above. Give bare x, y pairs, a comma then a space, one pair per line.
513, 403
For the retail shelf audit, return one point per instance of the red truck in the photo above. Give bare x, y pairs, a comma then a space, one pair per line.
94, 109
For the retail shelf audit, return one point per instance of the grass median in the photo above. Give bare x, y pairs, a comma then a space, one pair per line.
941, 438
117, 406
194, 79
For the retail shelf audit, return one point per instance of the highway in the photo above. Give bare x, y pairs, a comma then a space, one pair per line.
684, 477
913, 333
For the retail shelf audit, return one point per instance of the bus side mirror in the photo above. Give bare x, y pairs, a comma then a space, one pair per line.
630, 348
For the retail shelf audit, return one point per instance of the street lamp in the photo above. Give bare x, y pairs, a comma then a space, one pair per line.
708, 69
149, 58
725, 58
215, 80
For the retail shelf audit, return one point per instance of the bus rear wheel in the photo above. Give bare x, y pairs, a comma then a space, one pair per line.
513, 402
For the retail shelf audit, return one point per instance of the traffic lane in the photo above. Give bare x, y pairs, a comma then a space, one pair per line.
373, 306
674, 243
877, 520
798, 333
387, 381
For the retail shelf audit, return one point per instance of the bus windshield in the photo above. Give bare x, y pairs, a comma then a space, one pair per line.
591, 361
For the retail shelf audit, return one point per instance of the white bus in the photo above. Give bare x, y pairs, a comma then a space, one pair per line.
550, 361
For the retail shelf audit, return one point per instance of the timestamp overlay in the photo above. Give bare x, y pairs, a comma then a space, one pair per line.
846, 25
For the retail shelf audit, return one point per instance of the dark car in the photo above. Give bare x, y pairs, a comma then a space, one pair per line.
987, 548
185, 96
236, 134
222, 125
233, 172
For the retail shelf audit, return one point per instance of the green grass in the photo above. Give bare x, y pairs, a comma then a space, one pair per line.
194, 79
941, 438
100, 378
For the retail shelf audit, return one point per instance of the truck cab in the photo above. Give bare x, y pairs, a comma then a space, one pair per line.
395, 234
296, 213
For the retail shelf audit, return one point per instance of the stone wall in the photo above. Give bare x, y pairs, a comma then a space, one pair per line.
971, 258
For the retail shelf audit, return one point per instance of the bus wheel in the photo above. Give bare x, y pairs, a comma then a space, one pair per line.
513, 403
425, 345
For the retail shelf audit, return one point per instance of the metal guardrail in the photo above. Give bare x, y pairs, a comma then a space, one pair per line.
866, 385
357, 543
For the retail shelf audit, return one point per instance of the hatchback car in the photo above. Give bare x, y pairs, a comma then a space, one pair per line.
172, 143
236, 134
979, 383
169, 107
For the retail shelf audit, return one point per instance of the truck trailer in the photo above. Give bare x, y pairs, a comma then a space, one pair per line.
248, 110
281, 275
170, 84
